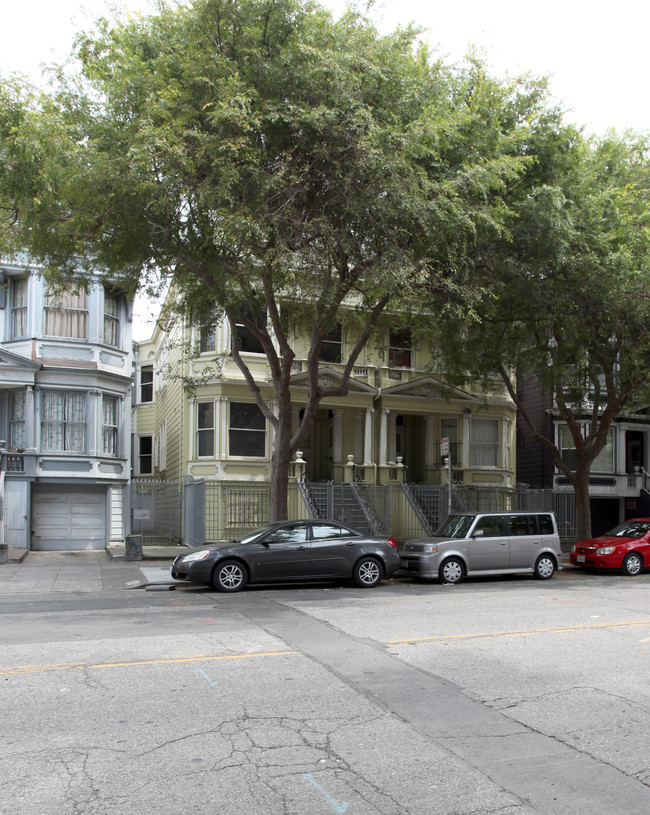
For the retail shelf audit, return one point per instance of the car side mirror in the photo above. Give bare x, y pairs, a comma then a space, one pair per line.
478, 533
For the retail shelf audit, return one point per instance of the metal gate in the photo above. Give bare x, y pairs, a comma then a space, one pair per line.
157, 511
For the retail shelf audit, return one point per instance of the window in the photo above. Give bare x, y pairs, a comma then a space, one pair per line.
324, 531
288, 534
399, 348
523, 525
485, 443
17, 420
145, 455
111, 322
247, 433
604, 461
248, 342
331, 350
64, 422
109, 425
492, 526
66, 314
205, 429
208, 338
19, 308
146, 383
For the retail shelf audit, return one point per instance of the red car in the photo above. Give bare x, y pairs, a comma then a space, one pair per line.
626, 547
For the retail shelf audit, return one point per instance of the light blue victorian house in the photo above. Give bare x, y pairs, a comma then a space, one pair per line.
66, 364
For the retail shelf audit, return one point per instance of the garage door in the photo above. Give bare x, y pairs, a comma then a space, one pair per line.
64, 520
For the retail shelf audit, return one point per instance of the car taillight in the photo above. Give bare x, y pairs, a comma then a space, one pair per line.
392, 542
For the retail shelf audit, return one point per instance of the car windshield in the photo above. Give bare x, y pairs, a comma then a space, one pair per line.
456, 526
630, 529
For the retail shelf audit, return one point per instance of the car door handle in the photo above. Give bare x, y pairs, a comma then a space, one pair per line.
351, 543
302, 547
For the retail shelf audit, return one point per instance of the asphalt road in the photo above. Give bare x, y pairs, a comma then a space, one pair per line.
497, 696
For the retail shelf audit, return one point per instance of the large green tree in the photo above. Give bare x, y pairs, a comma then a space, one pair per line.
569, 298
268, 161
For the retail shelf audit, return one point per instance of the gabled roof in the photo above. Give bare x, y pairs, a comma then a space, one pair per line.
428, 387
331, 378
9, 360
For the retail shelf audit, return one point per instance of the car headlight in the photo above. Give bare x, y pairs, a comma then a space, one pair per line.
605, 550
196, 556
431, 548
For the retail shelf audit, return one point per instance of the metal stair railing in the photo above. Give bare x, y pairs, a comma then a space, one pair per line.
412, 497
306, 488
360, 491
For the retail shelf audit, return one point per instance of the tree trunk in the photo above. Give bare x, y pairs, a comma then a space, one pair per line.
281, 462
583, 506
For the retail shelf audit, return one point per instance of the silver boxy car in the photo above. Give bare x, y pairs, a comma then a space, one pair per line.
486, 543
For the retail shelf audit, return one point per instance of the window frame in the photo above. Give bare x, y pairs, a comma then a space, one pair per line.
20, 286
234, 431
148, 385
400, 355
477, 447
205, 431
140, 455
68, 307
111, 321
113, 428
70, 427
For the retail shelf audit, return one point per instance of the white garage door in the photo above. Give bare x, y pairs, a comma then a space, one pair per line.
64, 520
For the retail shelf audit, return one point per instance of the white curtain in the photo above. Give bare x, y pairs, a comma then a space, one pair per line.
111, 323
19, 311
17, 420
485, 443
64, 421
109, 425
66, 315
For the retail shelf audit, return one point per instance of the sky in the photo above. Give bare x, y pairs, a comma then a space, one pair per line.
595, 53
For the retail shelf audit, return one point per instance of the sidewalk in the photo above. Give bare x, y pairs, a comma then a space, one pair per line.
86, 571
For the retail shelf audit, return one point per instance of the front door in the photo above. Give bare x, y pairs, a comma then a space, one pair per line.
490, 548
283, 553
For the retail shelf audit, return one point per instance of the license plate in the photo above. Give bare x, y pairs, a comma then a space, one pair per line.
580, 558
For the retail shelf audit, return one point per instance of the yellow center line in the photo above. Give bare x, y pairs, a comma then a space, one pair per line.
27, 669
504, 634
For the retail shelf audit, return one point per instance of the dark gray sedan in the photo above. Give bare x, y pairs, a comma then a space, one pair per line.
293, 550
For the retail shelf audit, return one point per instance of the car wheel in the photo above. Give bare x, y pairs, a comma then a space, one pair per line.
544, 567
452, 571
229, 575
632, 564
368, 572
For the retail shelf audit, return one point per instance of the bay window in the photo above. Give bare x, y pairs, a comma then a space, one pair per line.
66, 314
247, 430
485, 443
63, 428
205, 429
110, 407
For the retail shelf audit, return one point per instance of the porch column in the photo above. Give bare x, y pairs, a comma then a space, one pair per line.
467, 436
367, 443
358, 436
30, 418
620, 447
429, 442
383, 437
392, 436
338, 436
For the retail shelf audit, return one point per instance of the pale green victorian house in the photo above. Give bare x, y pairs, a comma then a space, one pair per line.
378, 458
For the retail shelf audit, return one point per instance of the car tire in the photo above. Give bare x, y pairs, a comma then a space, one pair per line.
632, 564
452, 570
229, 576
368, 573
544, 567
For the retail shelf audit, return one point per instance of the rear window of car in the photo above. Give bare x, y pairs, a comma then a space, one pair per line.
546, 526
